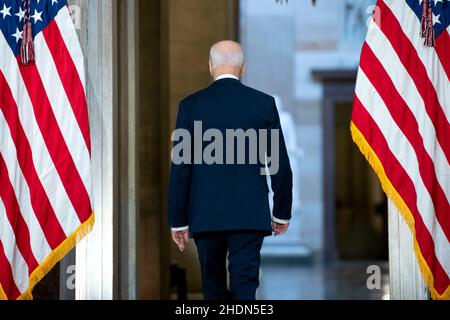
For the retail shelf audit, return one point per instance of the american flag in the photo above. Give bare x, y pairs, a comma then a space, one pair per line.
401, 122
45, 177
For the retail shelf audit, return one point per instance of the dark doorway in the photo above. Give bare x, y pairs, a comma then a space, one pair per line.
48, 288
361, 222
355, 207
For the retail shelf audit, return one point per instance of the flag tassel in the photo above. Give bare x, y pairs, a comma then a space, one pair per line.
427, 28
27, 48
423, 26
27, 54
430, 38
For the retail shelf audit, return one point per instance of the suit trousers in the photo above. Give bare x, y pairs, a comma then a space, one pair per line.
243, 249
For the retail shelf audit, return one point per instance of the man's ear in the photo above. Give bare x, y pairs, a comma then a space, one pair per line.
243, 70
211, 71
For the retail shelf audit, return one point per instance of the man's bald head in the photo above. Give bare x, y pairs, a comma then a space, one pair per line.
226, 57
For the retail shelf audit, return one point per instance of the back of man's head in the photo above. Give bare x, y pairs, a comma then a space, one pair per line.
226, 57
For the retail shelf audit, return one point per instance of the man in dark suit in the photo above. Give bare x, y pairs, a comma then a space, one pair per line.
218, 193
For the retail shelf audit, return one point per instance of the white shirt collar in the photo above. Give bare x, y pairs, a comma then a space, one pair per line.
227, 76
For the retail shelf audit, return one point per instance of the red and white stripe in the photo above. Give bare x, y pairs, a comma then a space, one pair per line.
402, 109
45, 163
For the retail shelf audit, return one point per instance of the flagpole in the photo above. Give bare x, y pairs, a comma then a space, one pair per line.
406, 281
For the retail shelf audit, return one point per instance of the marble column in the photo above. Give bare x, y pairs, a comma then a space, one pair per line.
95, 254
406, 280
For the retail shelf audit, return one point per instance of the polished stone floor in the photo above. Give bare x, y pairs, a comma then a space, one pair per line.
320, 281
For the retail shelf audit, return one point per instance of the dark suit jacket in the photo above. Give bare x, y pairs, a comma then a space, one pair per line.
217, 197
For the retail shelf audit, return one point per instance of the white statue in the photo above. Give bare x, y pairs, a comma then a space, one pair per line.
356, 14
296, 153
289, 131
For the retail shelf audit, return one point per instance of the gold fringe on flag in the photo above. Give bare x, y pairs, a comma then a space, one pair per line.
56, 256
397, 200
2, 294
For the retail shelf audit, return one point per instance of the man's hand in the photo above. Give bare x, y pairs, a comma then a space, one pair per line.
181, 238
279, 229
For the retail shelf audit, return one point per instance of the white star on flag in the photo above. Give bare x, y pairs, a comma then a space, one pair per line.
37, 16
18, 35
20, 14
6, 11
436, 19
